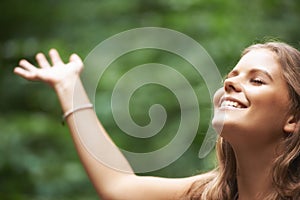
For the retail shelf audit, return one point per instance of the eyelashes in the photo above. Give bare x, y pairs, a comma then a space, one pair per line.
255, 77
255, 81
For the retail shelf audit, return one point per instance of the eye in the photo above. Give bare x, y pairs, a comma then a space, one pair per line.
257, 81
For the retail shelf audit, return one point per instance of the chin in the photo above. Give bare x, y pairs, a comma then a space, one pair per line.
218, 125
218, 121
225, 128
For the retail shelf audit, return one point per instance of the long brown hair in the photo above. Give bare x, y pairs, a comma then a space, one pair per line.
286, 167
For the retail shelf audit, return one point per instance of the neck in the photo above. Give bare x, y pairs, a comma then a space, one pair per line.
254, 165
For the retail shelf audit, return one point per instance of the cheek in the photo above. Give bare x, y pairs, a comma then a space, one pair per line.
275, 102
270, 110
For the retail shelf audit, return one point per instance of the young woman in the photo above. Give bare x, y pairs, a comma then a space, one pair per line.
257, 115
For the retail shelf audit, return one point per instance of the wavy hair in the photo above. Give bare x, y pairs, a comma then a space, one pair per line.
286, 166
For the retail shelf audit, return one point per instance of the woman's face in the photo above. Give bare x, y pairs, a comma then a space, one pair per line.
254, 100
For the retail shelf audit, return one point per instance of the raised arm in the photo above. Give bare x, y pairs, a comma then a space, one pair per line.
109, 182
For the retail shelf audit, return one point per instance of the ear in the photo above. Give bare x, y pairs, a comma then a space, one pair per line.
290, 125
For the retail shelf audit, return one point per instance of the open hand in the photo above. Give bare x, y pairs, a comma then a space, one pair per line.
54, 74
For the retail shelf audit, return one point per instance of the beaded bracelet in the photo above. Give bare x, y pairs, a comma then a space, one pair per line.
69, 112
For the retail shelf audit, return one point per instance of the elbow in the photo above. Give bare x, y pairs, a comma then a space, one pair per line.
117, 189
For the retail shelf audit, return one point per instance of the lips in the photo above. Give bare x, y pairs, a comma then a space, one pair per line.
230, 102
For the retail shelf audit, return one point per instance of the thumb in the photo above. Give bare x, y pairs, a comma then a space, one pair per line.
75, 58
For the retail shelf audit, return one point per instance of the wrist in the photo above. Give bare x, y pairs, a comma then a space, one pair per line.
67, 85
65, 91
71, 94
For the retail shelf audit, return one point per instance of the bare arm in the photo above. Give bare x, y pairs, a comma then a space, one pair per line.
110, 173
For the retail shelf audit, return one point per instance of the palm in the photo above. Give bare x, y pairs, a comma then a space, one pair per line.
54, 74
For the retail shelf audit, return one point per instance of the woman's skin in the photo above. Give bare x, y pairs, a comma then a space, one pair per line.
254, 126
260, 122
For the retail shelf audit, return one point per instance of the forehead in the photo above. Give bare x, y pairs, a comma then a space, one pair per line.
259, 59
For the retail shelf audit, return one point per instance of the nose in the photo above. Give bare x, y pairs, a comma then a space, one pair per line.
232, 85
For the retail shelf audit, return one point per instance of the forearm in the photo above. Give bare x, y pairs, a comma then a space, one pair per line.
107, 168
99, 155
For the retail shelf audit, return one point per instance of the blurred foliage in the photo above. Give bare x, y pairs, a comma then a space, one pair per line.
37, 157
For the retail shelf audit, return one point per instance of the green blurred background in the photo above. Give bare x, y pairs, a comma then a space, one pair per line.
37, 156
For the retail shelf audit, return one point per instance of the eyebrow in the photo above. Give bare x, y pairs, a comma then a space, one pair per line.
252, 71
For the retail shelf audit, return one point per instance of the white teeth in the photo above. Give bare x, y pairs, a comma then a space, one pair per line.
231, 104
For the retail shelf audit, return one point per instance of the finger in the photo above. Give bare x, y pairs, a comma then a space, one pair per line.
55, 57
26, 65
42, 60
75, 58
24, 73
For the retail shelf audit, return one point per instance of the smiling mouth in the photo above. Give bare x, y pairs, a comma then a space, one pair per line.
232, 104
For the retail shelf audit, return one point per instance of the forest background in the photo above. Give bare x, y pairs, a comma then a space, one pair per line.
37, 156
